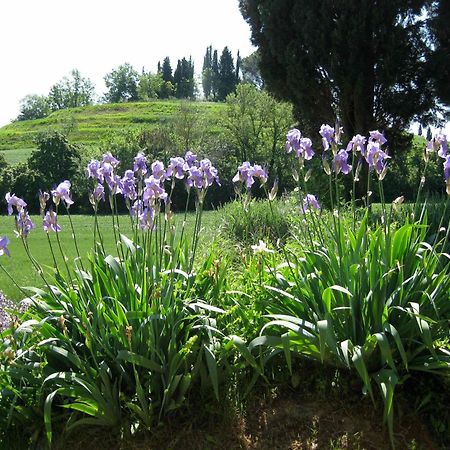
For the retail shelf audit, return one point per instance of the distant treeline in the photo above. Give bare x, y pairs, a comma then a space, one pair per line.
220, 76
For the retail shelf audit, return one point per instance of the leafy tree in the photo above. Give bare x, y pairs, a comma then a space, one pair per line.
207, 73
363, 61
256, 127
55, 158
34, 107
150, 86
122, 84
227, 75
72, 91
250, 70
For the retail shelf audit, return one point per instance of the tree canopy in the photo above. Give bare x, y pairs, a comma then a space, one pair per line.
72, 91
122, 84
363, 61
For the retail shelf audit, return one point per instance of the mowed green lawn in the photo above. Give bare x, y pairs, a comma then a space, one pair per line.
22, 271
16, 155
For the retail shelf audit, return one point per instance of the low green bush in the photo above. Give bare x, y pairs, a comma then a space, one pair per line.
247, 222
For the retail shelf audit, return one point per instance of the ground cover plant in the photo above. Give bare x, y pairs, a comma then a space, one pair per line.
145, 329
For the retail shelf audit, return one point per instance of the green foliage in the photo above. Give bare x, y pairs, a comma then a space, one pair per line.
376, 304
323, 57
184, 79
54, 159
34, 107
150, 86
440, 68
250, 70
207, 73
95, 122
227, 75
71, 92
246, 222
255, 126
122, 84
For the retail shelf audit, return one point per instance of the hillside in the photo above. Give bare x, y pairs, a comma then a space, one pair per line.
88, 125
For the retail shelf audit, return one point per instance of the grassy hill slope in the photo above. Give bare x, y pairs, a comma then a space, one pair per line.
88, 125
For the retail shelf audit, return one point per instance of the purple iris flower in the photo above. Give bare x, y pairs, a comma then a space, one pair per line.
62, 192
441, 139
115, 185
153, 190
4, 242
12, 200
293, 140
376, 157
23, 223
195, 178
310, 201
340, 162
129, 185
210, 173
377, 137
176, 168
327, 134
260, 173
107, 172
158, 170
98, 193
140, 164
147, 219
50, 222
43, 199
245, 174
447, 167
305, 150
109, 158
190, 158
136, 208
94, 171
358, 143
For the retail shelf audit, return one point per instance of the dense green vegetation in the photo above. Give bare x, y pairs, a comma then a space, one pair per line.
137, 320
91, 124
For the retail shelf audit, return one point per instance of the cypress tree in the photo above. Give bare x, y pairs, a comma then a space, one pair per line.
215, 75
207, 73
362, 60
227, 75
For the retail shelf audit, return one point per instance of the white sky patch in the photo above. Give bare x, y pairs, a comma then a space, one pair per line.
42, 41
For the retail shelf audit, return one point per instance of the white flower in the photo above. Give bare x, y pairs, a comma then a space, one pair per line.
261, 248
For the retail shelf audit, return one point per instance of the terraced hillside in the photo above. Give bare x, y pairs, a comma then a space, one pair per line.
90, 124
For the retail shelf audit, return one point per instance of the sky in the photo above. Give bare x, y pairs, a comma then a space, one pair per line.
42, 41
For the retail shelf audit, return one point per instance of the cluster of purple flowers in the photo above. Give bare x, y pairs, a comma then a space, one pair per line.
23, 221
5, 317
301, 145
247, 173
440, 144
309, 202
144, 187
370, 149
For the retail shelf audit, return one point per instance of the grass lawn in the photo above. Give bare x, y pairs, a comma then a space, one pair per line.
16, 155
21, 269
